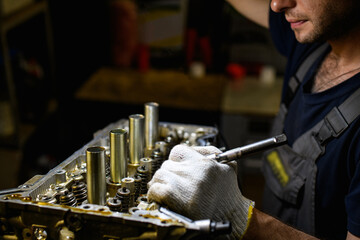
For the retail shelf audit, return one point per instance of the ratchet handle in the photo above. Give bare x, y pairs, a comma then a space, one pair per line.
236, 153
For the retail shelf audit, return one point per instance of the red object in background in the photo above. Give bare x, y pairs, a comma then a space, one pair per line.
206, 51
235, 70
191, 37
124, 39
143, 58
197, 47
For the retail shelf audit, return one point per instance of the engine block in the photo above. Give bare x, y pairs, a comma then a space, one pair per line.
99, 192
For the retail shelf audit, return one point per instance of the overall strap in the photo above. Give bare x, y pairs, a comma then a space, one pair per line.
293, 85
313, 142
302, 70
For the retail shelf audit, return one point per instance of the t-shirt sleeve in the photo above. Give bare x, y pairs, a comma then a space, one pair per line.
282, 35
352, 200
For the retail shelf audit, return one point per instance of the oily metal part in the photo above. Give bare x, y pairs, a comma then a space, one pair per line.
45, 205
96, 179
136, 138
118, 155
151, 124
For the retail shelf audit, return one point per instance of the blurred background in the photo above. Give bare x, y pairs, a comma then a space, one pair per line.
69, 68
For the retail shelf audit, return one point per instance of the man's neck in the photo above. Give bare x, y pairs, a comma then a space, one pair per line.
347, 49
340, 64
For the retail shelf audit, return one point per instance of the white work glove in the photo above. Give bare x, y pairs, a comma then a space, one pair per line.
201, 188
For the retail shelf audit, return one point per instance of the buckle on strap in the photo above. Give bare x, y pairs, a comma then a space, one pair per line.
334, 125
336, 122
294, 83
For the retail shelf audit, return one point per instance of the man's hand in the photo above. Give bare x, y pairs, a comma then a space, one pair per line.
201, 188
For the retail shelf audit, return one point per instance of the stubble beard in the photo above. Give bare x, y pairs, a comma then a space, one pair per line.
333, 23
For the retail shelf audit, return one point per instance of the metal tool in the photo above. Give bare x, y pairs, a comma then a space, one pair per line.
236, 153
205, 226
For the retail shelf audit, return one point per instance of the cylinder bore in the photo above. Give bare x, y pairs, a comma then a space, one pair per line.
96, 177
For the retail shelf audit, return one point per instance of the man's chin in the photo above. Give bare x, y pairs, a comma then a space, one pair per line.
305, 38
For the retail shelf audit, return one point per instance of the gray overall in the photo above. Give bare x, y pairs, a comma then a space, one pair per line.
290, 172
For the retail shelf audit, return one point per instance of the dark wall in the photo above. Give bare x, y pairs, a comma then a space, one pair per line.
81, 40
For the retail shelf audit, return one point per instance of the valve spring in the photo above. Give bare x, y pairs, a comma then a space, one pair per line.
138, 180
157, 160
68, 199
144, 174
60, 190
48, 199
80, 192
114, 204
123, 194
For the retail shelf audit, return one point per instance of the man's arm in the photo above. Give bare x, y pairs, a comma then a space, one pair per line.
255, 10
271, 228
198, 187
351, 237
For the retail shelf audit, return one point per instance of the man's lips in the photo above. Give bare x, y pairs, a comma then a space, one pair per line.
296, 23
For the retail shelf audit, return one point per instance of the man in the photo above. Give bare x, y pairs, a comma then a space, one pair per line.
313, 183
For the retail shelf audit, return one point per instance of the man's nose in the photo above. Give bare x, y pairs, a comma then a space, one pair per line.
282, 5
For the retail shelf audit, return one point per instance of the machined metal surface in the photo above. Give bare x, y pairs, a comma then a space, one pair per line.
151, 124
95, 175
236, 153
136, 138
73, 200
118, 155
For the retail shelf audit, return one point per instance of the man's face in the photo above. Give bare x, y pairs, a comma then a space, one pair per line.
318, 20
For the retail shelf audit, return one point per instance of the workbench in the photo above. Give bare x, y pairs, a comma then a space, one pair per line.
214, 92
250, 96
167, 87
241, 103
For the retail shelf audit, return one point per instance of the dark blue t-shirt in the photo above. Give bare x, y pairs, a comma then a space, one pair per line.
337, 200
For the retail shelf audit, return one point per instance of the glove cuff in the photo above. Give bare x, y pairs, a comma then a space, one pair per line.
241, 217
